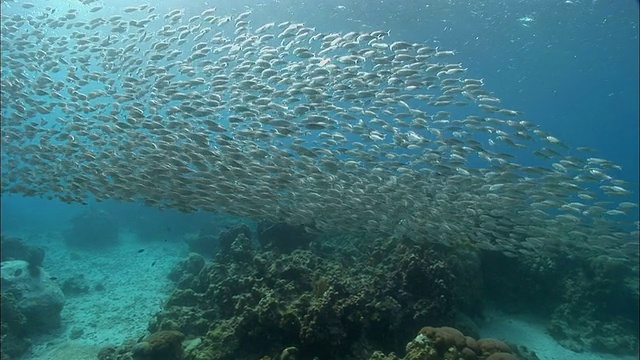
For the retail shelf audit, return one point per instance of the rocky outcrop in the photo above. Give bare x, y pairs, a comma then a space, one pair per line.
38, 298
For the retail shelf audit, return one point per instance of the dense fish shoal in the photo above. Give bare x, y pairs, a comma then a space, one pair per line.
348, 132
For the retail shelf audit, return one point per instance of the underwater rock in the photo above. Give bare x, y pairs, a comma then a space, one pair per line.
108, 353
122, 352
12, 317
211, 239
501, 356
444, 337
39, 298
598, 310
589, 299
241, 248
289, 353
35, 257
76, 333
466, 324
588, 334
161, 345
183, 297
489, 346
283, 237
185, 271
205, 243
615, 340
229, 235
13, 328
75, 285
14, 248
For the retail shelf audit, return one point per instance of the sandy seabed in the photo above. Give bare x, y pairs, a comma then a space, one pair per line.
135, 285
529, 331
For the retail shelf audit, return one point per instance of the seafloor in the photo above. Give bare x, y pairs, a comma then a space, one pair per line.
276, 292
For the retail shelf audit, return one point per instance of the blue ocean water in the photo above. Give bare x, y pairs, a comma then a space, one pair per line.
570, 66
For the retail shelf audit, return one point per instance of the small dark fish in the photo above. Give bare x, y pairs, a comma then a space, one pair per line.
141, 250
153, 263
53, 278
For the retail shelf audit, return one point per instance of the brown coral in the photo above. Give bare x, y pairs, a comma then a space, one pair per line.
161, 345
444, 337
502, 356
468, 354
490, 346
441, 343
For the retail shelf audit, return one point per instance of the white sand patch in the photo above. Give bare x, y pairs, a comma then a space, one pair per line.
530, 332
135, 285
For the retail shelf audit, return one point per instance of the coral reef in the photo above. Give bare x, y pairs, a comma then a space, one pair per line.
346, 298
592, 302
185, 271
599, 310
229, 235
326, 300
444, 343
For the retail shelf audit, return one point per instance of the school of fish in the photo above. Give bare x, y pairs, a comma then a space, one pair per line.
341, 132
